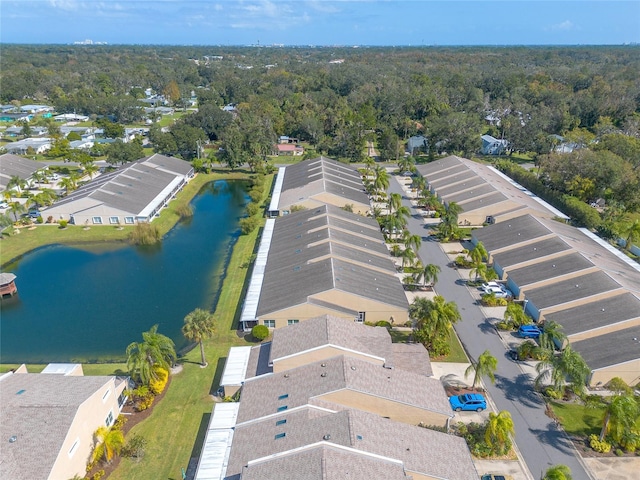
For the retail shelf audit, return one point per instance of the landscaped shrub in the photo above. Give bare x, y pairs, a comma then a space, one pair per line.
185, 211
120, 421
503, 326
256, 194
39, 220
98, 475
63, 223
491, 300
144, 403
135, 447
145, 234
599, 446
553, 393
253, 209
157, 385
383, 323
619, 452
248, 224
260, 332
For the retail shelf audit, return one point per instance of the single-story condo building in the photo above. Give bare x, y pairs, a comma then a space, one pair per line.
49, 420
316, 182
323, 261
15, 166
132, 194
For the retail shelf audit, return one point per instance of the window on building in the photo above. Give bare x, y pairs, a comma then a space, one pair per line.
114, 220
360, 317
128, 220
106, 395
280, 435
109, 420
292, 322
97, 220
270, 323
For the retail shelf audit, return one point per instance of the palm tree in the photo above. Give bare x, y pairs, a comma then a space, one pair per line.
199, 325
479, 271
567, 366
394, 202
620, 416
630, 231
90, 169
381, 181
434, 316
557, 472
110, 443
428, 273
154, 350
406, 164
418, 183
485, 366
552, 335
478, 253
408, 257
499, 427
16, 181
412, 240
515, 315
68, 184
16, 208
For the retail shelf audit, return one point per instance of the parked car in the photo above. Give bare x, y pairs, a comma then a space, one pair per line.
468, 401
494, 476
33, 213
529, 331
498, 292
490, 285
3, 205
513, 355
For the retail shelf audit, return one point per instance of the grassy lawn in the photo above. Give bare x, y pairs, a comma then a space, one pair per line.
13, 246
175, 428
578, 420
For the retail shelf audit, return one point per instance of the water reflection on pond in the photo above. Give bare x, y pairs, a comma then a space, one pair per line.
88, 303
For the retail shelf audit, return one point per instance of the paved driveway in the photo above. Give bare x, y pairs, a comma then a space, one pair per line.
541, 444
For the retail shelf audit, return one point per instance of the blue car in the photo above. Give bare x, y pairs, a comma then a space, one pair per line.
469, 401
529, 331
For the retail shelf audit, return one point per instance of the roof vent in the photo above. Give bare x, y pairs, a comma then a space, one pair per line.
352, 367
323, 374
286, 375
323, 365
13, 439
326, 437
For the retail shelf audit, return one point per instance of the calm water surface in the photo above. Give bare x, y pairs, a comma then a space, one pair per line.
86, 304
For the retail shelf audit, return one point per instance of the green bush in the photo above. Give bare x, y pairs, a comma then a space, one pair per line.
383, 323
253, 209
63, 223
145, 234
503, 326
119, 423
619, 452
248, 224
599, 446
135, 447
260, 332
184, 211
39, 220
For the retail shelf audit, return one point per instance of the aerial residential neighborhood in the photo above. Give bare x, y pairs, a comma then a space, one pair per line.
318, 262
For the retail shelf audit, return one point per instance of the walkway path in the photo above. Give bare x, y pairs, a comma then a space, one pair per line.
540, 442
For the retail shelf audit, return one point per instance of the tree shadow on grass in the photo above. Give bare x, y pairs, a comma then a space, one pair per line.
217, 377
197, 447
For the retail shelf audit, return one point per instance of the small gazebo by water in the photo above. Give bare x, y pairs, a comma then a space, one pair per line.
7, 285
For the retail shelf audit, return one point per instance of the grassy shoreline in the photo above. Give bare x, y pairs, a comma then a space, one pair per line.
14, 246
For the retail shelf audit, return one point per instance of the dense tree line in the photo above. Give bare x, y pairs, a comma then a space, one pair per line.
337, 99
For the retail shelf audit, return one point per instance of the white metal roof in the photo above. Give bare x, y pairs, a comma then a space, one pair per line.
532, 195
161, 197
61, 368
217, 444
277, 189
250, 307
235, 369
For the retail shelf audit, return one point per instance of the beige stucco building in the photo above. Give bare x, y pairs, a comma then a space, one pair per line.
49, 418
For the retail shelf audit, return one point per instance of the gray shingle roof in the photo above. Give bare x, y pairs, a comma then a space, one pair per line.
320, 249
549, 269
13, 165
456, 183
424, 451
572, 289
312, 177
448, 166
477, 203
462, 192
531, 251
510, 232
600, 313
329, 330
325, 462
39, 409
610, 348
261, 396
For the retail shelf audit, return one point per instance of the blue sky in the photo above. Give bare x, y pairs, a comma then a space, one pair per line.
320, 22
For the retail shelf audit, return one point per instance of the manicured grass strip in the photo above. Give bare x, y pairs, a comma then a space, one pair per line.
175, 428
577, 419
457, 354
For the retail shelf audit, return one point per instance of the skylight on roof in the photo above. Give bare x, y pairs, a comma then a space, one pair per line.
282, 397
20, 392
283, 408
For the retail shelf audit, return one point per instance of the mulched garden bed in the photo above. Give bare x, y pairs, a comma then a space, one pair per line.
133, 418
